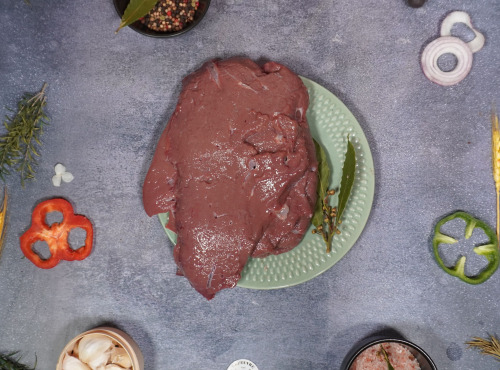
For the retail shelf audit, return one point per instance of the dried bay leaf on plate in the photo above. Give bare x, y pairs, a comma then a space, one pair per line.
348, 173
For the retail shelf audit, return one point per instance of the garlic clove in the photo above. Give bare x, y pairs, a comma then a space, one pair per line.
98, 362
72, 363
94, 349
56, 180
115, 367
60, 169
119, 356
67, 177
74, 351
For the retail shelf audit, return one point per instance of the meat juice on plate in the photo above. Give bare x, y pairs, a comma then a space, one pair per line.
236, 169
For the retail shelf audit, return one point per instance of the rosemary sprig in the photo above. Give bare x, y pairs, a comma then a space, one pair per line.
386, 358
10, 361
24, 129
490, 347
495, 147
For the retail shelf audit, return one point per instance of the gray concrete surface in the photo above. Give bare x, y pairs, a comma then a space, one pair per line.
109, 97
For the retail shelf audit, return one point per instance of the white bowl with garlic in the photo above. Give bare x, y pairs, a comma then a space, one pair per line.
102, 348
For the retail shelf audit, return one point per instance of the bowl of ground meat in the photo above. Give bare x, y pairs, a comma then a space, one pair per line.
380, 353
169, 18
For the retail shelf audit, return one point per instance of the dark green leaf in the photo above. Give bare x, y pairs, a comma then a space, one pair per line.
323, 183
135, 10
348, 173
11, 361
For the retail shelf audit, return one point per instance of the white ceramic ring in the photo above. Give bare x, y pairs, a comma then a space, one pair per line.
451, 19
439, 47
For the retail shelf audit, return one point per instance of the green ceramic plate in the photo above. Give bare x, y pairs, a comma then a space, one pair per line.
330, 122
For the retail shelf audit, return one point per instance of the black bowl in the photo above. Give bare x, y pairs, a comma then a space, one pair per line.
121, 5
423, 358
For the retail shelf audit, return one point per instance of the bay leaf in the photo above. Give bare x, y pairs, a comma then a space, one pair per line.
323, 183
136, 9
348, 174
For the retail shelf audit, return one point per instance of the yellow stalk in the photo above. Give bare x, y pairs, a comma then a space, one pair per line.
495, 145
3, 213
489, 346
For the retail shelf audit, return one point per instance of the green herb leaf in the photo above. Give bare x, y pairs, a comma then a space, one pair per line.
17, 146
323, 183
135, 10
348, 174
10, 361
386, 357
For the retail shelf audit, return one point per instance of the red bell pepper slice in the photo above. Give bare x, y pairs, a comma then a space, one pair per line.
56, 235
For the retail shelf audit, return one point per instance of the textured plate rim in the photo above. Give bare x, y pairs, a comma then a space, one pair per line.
354, 124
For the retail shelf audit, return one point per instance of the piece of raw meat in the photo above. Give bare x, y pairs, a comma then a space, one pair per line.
236, 168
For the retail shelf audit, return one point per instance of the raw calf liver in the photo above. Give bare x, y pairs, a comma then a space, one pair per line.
236, 169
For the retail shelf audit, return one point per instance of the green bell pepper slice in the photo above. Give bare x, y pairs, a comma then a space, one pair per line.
489, 250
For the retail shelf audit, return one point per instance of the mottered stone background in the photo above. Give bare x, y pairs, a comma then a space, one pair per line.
109, 97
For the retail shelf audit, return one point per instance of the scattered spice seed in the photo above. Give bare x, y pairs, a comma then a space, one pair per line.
170, 15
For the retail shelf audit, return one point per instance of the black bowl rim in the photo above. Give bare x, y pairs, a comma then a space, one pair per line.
384, 340
165, 35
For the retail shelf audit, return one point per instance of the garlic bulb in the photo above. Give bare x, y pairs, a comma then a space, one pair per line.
94, 350
72, 363
119, 356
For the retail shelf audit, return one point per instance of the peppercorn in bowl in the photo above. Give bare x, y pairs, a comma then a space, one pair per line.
168, 18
